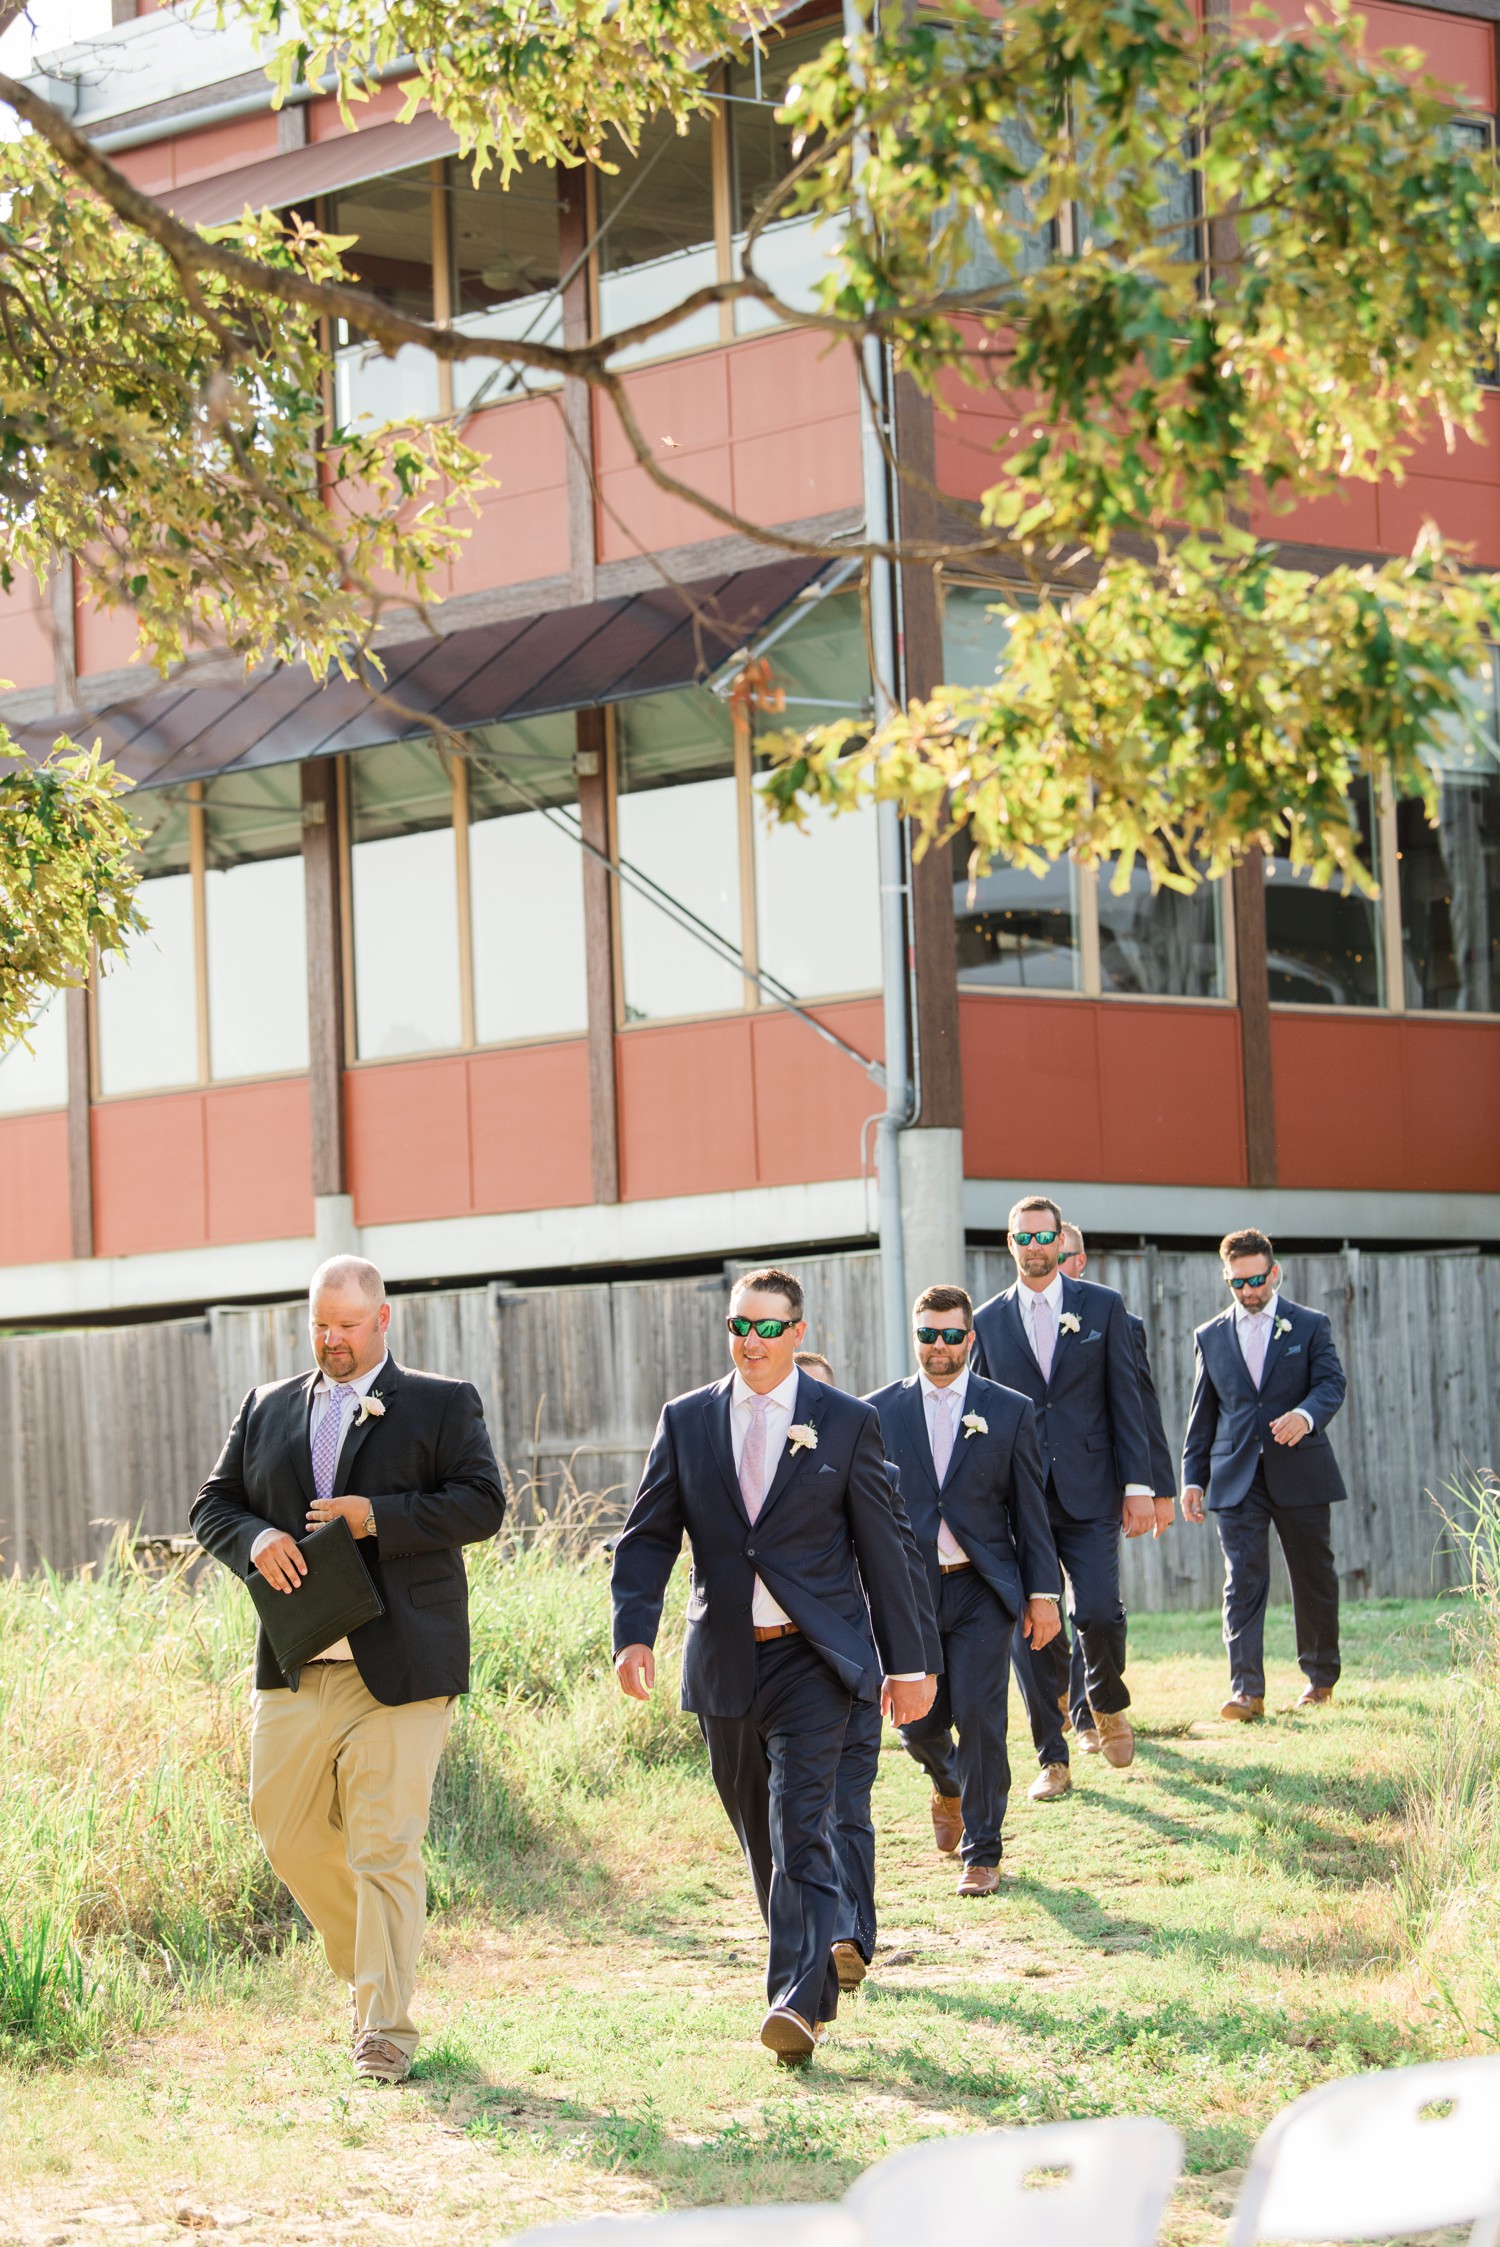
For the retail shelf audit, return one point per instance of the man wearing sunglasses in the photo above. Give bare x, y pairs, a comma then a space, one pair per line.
800, 1573
972, 1475
1066, 1345
1267, 1381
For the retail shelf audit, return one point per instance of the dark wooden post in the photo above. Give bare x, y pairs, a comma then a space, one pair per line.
578, 406
1254, 990
322, 867
599, 942
80, 1125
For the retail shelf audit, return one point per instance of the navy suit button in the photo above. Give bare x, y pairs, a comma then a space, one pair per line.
749, 1552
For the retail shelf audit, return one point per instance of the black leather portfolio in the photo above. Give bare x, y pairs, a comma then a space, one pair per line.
333, 1599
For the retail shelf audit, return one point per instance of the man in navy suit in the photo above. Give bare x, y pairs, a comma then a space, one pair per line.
1070, 1679
856, 1926
967, 1451
780, 1486
1267, 1381
1066, 1344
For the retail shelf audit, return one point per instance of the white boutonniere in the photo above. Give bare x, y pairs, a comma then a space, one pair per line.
1069, 1323
1283, 1326
370, 1408
974, 1425
804, 1437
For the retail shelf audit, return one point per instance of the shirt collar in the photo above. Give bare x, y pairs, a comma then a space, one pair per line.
958, 1388
1242, 1316
362, 1384
1051, 1294
784, 1395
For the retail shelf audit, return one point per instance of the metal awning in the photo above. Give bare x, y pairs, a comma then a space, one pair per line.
527, 667
297, 174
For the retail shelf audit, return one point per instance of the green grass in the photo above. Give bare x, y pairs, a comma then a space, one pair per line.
1246, 1912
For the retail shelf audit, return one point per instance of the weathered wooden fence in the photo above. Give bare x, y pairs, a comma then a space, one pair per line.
118, 1425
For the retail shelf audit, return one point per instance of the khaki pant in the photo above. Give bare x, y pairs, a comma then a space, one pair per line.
339, 1790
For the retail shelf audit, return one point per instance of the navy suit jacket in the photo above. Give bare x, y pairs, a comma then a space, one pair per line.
1089, 1421
1163, 1473
992, 1497
826, 1545
1228, 1430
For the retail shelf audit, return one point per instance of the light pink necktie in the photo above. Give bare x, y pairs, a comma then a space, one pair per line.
753, 1459
1041, 1327
1256, 1334
940, 1430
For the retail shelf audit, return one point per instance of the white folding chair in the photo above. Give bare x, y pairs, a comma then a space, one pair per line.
1379, 2157
1063, 2184
788, 2225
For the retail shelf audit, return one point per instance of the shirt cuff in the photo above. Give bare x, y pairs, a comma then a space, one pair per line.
263, 1540
1053, 1596
906, 1677
1303, 1414
1139, 1490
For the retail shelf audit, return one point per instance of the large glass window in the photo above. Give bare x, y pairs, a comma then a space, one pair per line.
1323, 946
503, 253
392, 220
678, 821
526, 882
35, 1074
404, 882
1450, 872
1158, 943
656, 235
1018, 931
148, 1001
256, 923
790, 254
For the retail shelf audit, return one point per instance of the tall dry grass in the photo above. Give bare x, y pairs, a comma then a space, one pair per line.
1449, 1883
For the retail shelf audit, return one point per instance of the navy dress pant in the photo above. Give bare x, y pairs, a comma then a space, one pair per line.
776, 1769
1306, 1542
973, 1696
1090, 1555
854, 1829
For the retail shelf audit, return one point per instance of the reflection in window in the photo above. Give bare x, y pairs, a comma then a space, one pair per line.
791, 254
1018, 931
983, 272
37, 1078
678, 822
974, 635
148, 1009
526, 883
503, 247
1161, 944
392, 260
1450, 873
1323, 946
256, 923
404, 884
656, 245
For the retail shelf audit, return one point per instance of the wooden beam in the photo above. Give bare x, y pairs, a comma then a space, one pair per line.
933, 931
322, 868
577, 401
1254, 994
599, 943
80, 1122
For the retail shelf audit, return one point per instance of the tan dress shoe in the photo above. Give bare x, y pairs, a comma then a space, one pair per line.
1244, 1708
785, 2033
378, 2060
979, 1880
1055, 1781
849, 1965
1116, 1739
1314, 1697
1088, 1739
947, 1822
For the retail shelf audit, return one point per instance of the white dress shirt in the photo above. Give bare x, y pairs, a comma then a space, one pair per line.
322, 1401
950, 1551
1052, 1294
1242, 1320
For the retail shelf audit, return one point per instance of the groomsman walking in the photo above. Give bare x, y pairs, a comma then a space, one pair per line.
1066, 1345
1267, 1381
779, 1485
967, 1451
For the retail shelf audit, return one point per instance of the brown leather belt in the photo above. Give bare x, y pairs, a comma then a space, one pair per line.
774, 1630
952, 1567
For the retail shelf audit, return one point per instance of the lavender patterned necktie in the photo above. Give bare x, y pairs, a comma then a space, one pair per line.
325, 1448
753, 1460
1041, 1327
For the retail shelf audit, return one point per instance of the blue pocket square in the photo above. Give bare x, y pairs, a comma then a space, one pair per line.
1093, 1337
1292, 1350
827, 1470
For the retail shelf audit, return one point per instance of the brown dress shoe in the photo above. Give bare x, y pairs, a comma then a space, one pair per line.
785, 2033
979, 1880
1116, 1739
1243, 1708
1314, 1697
1056, 1780
378, 2060
849, 1965
1088, 1738
947, 1822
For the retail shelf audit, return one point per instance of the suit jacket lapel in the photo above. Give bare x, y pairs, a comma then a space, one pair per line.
1068, 1304
1274, 1342
961, 1442
716, 1408
298, 1436
1012, 1301
1236, 1356
804, 1408
914, 1415
383, 1390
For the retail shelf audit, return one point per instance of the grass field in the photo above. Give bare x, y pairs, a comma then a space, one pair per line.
1234, 1919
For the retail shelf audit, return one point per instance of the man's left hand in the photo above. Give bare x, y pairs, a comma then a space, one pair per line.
1164, 1511
357, 1512
1137, 1515
1041, 1622
907, 1700
1290, 1428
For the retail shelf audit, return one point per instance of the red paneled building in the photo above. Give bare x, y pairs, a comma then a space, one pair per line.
397, 998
